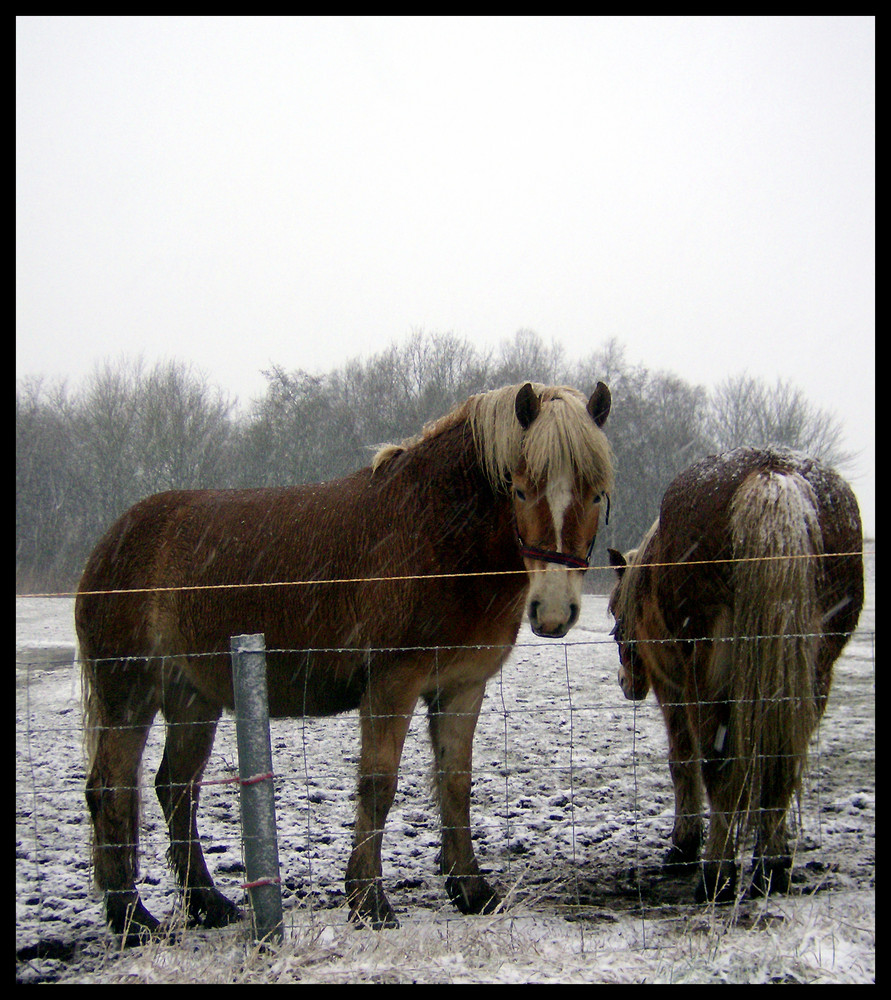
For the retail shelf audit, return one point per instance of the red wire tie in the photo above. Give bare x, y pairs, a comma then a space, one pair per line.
253, 780
256, 778
259, 882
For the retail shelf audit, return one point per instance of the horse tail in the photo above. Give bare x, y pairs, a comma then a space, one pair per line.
92, 716
774, 710
89, 702
93, 709
91, 694
119, 701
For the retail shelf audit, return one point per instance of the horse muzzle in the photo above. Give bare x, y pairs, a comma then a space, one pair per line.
555, 594
552, 622
633, 679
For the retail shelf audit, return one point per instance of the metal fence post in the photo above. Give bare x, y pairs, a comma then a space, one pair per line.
263, 881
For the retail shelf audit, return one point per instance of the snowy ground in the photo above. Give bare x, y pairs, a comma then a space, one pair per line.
572, 807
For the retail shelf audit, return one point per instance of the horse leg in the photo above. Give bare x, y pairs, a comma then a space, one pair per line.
384, 716
683, 764
112, 792
773, 862
719, 874
191, 727
452, 717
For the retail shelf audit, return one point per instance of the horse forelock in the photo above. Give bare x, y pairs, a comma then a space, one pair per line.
562, 440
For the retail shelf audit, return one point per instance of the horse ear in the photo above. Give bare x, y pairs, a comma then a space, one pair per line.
617, 561
527, 405
599, 404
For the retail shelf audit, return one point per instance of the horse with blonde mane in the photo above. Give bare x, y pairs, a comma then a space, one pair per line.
734, 608
405, 581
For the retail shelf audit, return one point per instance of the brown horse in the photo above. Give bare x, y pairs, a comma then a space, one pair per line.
734, 608
404, 581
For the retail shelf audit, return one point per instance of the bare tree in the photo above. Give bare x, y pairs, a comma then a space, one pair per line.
83, 458
656, 429
46, 548
527, 358
312, 427
745, 411
292, 434
181, 430
391, 395
139, 432
105, 418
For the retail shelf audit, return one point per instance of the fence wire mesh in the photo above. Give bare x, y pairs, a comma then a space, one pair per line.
571, 810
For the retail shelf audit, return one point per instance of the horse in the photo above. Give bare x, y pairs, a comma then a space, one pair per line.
734, 608
405, 581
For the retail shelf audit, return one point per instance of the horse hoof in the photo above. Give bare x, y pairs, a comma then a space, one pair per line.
369, 907
773, 877
128, 918
717, 883
680, 860
377, 920
208, 907
472, 894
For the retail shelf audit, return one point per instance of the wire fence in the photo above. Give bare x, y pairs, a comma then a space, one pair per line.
571, 810
572, 802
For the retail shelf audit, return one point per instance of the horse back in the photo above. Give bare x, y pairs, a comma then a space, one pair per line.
696, 539
181, 572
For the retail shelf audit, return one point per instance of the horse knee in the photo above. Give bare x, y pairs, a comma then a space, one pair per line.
93, 794
172, 794
114, 814
376, 793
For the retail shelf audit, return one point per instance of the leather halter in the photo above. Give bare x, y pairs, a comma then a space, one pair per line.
560, 558
544, 555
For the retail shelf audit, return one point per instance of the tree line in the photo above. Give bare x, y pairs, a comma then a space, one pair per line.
84, 454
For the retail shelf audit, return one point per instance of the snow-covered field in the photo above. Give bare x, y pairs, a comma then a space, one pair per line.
572, 809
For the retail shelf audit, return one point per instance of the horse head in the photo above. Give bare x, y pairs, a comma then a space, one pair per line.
633, 678
557, 503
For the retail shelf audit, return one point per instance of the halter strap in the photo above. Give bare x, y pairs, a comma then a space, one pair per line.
544, 555
560, 558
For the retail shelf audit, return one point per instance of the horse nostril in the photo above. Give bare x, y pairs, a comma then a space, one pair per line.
533, 610
573, 613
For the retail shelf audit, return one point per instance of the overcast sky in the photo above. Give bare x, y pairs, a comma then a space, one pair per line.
235, 192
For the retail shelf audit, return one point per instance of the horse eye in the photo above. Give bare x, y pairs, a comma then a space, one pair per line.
520, 494
597, 498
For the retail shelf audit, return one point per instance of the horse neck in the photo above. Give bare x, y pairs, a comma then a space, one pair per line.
456, 501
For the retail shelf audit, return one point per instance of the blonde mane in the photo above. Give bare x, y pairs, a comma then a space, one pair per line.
563, 439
